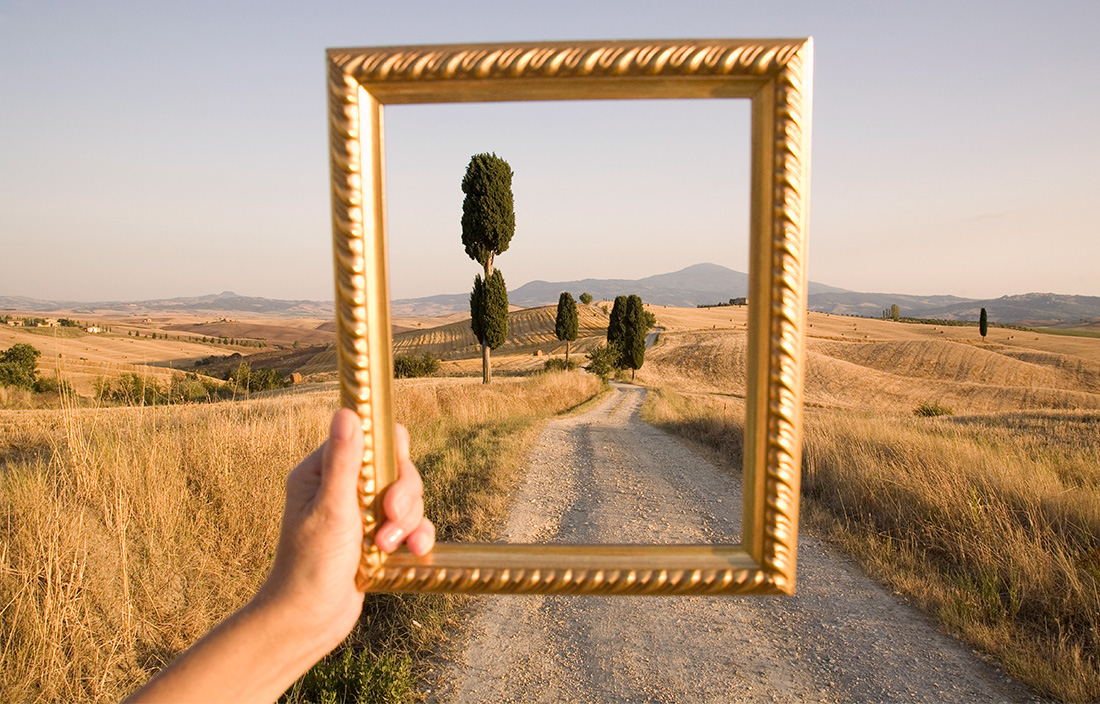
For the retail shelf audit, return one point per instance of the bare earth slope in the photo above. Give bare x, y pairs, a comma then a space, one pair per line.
607, 477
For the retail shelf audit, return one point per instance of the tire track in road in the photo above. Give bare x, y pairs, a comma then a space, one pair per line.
607, 477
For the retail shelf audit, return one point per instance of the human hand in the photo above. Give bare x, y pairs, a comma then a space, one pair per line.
322, 532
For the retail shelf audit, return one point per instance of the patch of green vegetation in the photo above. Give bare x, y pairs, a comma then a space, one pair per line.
131, 389
1069, 332
603, 360
19, 366
65, 331
413, 365
354, 676
248, 380
559, 364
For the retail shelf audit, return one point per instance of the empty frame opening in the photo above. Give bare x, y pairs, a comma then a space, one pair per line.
604, 190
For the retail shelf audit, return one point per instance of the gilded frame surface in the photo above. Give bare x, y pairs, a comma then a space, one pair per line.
776, 76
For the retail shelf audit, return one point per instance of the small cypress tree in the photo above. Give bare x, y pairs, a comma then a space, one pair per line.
489, 310
615, 330
477, 309
496, 310
983, 324
565, 326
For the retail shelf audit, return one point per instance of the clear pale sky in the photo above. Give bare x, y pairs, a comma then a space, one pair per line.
153, 150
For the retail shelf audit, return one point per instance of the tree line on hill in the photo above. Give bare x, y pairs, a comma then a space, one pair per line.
19, 369
133, 389
742, 301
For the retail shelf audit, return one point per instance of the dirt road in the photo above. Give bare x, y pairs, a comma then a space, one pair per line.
607, 477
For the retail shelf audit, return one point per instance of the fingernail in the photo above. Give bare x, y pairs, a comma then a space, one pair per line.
389, 539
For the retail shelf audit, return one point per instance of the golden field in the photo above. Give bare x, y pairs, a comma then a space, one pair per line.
126, 533
129, 531
987, 517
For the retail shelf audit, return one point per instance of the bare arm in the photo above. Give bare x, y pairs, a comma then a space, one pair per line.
309, 602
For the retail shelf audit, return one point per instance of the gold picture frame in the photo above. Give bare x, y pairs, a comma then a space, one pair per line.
776, 76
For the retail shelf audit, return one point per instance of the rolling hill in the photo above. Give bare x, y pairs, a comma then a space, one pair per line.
852, 363
885, 366
700, 284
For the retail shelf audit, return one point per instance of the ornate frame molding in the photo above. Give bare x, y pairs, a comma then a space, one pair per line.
776, 76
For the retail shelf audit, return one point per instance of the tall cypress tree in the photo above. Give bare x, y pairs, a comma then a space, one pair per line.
983, 324
565, 326
488, 223
634, 329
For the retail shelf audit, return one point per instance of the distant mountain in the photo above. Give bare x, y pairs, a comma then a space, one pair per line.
696, 285
222, 303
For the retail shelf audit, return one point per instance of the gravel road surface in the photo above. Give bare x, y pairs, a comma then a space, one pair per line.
607, 477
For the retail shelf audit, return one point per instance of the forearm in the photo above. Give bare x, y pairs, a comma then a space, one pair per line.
252, 656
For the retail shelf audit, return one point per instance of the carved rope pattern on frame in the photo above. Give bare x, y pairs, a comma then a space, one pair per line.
787, 318
574, 581
582, 59
349, 247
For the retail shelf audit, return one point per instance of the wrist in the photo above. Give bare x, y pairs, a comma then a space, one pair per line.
290, 624
316, 616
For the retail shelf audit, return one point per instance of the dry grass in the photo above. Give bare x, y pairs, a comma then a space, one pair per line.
126, 533
991, 523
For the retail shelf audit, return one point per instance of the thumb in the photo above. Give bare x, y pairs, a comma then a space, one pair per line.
343, 457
